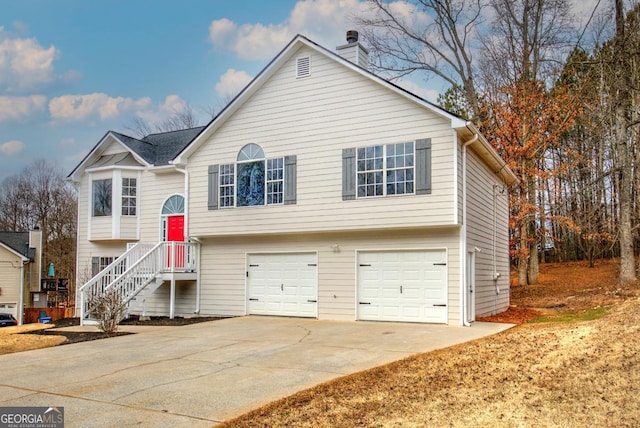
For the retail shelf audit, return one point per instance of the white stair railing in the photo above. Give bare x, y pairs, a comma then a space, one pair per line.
130, 273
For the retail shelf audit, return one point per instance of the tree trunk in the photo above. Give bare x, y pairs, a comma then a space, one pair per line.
627, 262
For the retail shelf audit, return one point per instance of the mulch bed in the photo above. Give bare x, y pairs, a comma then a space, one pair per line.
84, 336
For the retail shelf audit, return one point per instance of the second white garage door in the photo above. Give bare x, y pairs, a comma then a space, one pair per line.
408, 286
283, 284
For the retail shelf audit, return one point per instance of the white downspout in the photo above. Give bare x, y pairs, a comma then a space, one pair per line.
183, 169
21, 298
463, 235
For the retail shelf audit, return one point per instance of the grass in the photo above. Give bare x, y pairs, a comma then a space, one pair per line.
573, 316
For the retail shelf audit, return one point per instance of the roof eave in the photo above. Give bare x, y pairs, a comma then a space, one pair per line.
74, 176
8, 248
489, 154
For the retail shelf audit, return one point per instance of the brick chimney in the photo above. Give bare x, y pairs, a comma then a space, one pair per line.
35, 273
354, 51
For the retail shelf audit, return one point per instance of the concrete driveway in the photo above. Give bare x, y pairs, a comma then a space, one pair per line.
201, 374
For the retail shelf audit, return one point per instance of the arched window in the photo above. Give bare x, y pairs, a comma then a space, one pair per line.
250, 152
173, 205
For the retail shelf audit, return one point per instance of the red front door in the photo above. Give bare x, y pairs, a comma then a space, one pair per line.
175, 228
175, 233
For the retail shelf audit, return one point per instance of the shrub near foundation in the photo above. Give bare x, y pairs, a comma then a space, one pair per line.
108, 309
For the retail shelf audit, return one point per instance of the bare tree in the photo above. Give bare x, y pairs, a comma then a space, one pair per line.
432, 36
179, 119
40, 196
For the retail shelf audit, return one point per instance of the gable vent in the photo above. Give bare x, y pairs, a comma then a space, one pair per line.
303, 66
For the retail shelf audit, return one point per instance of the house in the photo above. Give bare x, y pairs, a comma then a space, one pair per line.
320, 191
20, 270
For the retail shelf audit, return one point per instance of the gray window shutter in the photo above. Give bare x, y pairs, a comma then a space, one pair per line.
348, 174
213, 186
423, 166
290, 180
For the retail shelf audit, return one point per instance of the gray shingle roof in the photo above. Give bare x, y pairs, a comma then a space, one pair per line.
158, 149
19, 242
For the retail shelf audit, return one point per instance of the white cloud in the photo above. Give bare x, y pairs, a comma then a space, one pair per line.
26, 65
231, 83
171, 105
92, 106
12, 147
16, 108
67, 142
324, 21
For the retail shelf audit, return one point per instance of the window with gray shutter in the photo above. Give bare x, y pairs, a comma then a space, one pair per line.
386, 170
290, 179
213, 187
423, 166
348, 174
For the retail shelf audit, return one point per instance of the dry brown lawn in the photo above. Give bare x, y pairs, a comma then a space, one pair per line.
11, 339
554, 374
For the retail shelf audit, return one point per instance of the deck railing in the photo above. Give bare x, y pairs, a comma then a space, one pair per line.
134, 270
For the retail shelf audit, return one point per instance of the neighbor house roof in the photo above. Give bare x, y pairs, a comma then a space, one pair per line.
152, 150
18, 242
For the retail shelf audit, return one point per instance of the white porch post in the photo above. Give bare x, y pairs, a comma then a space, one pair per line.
172, 304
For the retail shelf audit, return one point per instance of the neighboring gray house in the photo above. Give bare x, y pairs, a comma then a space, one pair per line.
20, 267
320, 191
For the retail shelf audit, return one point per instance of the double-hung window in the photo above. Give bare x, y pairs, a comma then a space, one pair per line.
385, 170
275, 181
227, 185
129, 196
99, 263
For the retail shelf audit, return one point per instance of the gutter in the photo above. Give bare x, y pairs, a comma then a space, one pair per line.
180, 167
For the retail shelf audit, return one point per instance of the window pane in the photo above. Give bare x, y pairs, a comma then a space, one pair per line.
400, 173
102, 198
129, 196
275, 181
227, 189
251, 184
391, 162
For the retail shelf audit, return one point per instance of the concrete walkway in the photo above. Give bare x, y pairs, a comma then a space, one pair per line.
201, 374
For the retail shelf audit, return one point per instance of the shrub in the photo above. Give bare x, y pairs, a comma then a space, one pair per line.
108, 309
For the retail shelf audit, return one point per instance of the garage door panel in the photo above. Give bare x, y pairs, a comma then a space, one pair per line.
282, 284
403, 286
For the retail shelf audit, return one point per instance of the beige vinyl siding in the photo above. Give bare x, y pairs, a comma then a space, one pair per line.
315, 118
10, 264
159, 302
224, 266
129, 228
154, 190
480, 191
113, 148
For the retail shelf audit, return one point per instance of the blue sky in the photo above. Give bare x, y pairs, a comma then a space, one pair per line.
70, 70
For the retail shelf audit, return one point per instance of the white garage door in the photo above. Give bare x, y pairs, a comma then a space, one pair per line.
408, 286
9, 308
283, 284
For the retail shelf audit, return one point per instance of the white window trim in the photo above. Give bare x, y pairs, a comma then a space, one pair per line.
235, 183
384, 171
